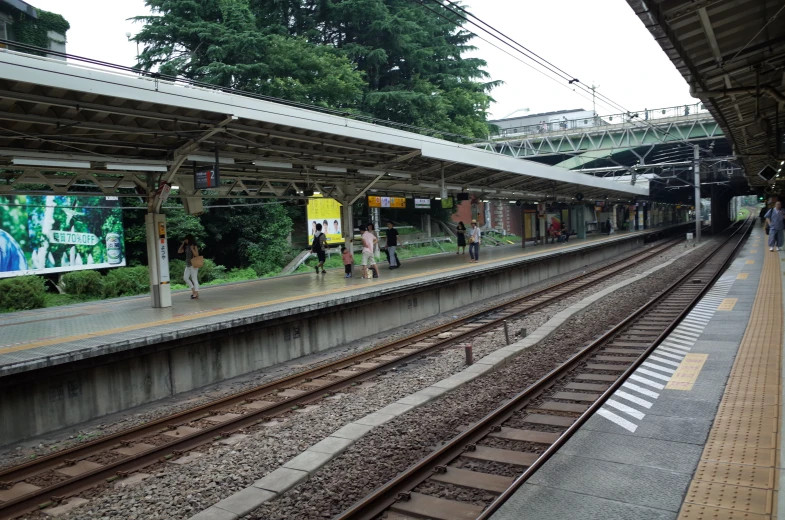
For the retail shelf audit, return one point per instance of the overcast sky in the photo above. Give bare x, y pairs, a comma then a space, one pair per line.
600, 42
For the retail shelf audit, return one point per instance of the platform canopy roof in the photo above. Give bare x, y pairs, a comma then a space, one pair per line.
732, 55
69, 127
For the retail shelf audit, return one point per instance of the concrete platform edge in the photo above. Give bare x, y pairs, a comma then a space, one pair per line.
437, 389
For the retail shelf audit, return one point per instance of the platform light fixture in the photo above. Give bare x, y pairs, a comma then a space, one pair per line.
210, 159
273, 164
400, 175
335, 169
137, 167
21, 161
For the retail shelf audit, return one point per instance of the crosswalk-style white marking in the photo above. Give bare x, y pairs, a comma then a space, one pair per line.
665, 359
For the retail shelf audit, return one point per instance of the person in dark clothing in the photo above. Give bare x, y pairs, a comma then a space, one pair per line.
608, 226
318, 247
392, 244
461, 234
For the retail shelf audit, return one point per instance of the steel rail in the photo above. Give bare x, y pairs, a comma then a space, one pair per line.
396, 489
33, 500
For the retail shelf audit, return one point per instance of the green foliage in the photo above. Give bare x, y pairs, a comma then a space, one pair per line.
83, 283
126, 281
22, 293
254, 236
210, 272
224, 43
34, 31
392, 59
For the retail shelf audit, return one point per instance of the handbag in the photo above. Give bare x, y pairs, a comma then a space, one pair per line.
197, 261
766, 229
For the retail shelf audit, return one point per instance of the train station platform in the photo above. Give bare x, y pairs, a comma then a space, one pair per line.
62, 366
695, 433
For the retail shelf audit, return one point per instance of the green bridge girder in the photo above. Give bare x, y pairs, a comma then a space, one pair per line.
592, 143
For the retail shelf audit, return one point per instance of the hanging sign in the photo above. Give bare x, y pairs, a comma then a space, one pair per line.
422, 203
205, 178
386, 202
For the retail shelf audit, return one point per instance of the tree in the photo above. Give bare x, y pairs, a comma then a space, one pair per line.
221, 42
391, 59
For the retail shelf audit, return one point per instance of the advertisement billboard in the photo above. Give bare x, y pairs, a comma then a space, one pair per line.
53, 234
387, 202
326, 212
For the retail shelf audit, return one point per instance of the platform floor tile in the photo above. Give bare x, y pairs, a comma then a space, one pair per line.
737, 475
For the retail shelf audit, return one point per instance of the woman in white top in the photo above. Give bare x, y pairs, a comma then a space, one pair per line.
474, 243
369, 242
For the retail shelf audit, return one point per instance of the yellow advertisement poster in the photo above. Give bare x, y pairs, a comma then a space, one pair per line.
326, 212
386, 202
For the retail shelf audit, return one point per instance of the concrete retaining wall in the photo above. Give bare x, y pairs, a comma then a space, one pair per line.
48, 399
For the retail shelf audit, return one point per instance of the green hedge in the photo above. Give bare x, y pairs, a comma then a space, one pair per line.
83, 283
126, 281
22, 293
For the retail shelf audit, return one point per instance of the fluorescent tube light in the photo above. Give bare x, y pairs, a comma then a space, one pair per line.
330, 169
210, 159
47, 162
375, 173
137, 167
273, 164
400, 175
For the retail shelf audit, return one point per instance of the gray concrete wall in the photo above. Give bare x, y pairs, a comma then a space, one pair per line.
49, 399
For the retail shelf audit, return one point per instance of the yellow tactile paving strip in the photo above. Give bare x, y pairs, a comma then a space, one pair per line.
737, 474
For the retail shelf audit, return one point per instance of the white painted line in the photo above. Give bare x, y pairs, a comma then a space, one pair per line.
683, 335
633, 399
676, 347
640, 390
626, 409
696, 322
658, 367
683, 331
655, 375
679, 341
647, 382
691, 329
669, 353
620, 421
702, 314
663, 360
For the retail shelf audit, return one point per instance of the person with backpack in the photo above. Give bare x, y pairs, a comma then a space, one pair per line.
318, 247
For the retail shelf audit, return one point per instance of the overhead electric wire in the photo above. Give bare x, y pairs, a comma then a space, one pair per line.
571, 80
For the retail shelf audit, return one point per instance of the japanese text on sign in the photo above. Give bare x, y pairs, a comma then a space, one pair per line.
386, 202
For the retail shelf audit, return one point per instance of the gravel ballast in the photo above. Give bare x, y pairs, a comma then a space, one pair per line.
182, 491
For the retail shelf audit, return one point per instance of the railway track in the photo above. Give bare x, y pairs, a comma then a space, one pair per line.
47, 481
496, 455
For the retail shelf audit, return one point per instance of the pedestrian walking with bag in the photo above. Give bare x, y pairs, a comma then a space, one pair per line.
474, 243
318, 247
192, 264
775, 223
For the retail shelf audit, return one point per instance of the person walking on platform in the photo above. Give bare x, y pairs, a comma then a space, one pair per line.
318, 247
369, 243
392, 244
191, 274
609, 226
775, 219
348, 262
474, 243
461, 234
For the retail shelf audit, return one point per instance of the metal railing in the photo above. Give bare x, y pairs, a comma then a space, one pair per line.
597, 121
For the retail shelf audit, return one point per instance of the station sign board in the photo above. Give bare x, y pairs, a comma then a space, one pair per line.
206, 178
387, 202
422, 203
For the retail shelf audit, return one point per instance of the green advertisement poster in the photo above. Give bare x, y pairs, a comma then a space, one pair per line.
51, 234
